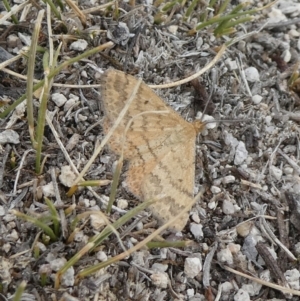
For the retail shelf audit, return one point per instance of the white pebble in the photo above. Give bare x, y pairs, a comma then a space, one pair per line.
225, 256
59, 99
68, 278
241, 295
57, 264
276, 172
192, 267
160, 279
97, 221
26, 40
241, 153
79, 45
227, 287
286, 55
228, 180
13, 235
228, 207
215, 189
196, 230
292, 277
101, 256
190, 293
252, 288
67, 176
252, 74
69, 104
9, 136
2, 211
159, 267
122, 204
48, 190
297, 248
257, 99
231, 64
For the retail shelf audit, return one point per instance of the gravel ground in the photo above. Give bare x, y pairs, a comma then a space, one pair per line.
242, 239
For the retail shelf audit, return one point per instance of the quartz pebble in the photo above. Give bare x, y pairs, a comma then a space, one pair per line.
196, 230
160, 279
79, 45
252, 74
192, 266
9, 136
59, 99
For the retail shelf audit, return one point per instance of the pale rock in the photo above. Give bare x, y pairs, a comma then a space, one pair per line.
70, 103
122, 204
159, 267
297, 248
13, 236
225, 256
252, 288
195, 217
276, 15
212, 205
228, 207
68, 278
196, 230
276, 172
286, 55
67, 176
160, 279
78, 237
9, 136
173, 29
59, 99
48, 190
215, 189
256, 99
101, 256
26, 40
79, 45
227, 287
252, 74
57, 263
228, 180
231, 64
192, 266
2, 211
241, 153
97, 221
241, 295
292, 277
190, 293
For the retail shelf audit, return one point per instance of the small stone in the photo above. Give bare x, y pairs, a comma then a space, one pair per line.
225, 256
122, 204
190, 292
241, 153
173, 29
26, 40
13, 41
73, 141
244, 229
241, 295
160, 279
252, 74
79, 45
276, 172
192, 266
101, 256
9, 136
70, 103
195, 217
97, 222
57, 264
48, 190
228, 180
59, 99
297, 248
257, 99
196, 230
286, 55
13, 235
227, 287
228, 207
78, 237
252, 288
231, 64
215, 189
292, 277
68, 278
67, 176
2, 211
159, 267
